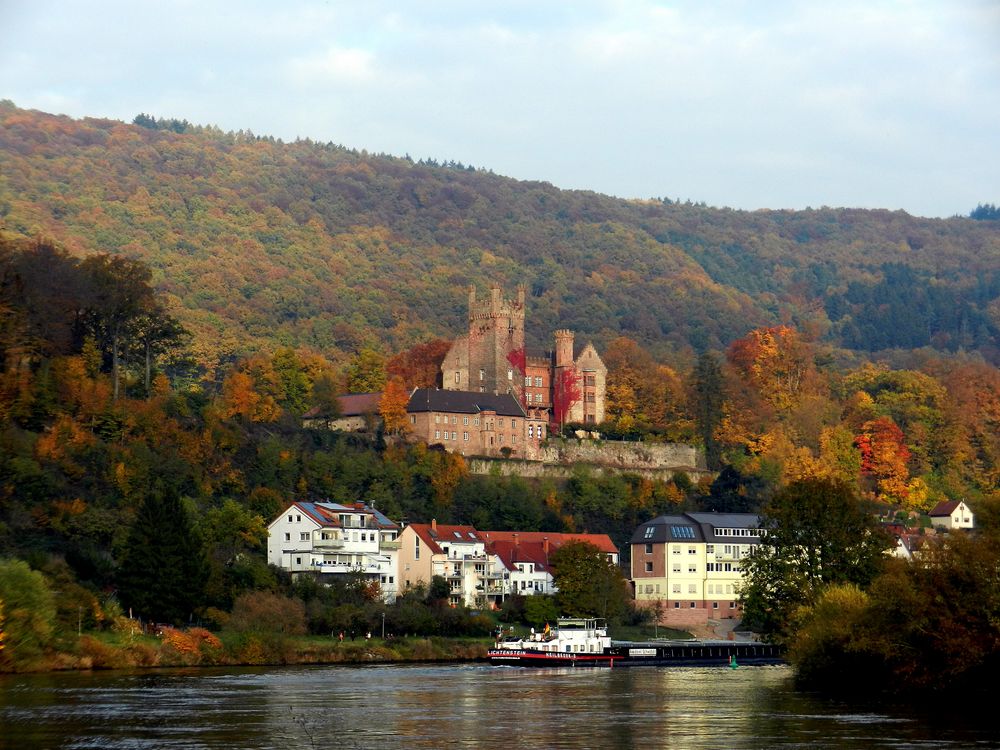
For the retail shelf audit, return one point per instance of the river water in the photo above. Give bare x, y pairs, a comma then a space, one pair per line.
456, 706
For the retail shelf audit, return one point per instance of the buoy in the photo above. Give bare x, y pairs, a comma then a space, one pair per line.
732, 662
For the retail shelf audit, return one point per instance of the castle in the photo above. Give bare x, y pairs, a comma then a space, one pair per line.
554, 388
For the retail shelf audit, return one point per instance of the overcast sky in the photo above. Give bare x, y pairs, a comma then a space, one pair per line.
756, 104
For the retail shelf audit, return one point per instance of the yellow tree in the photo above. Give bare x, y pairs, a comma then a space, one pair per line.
392, 406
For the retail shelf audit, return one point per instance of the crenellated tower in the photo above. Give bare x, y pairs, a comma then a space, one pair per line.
496, 341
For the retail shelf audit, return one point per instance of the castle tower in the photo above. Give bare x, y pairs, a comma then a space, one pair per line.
496, 342
564, 348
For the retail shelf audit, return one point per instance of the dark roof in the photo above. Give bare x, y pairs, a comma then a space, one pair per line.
463, 402
328, 514
944, 509
695, 527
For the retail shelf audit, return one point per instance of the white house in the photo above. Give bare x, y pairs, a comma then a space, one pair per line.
954, 514
329, 539
457, 554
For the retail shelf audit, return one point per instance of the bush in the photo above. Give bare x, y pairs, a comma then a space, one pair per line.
263, 612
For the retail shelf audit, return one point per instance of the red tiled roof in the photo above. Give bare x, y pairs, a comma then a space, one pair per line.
432, 538
352, 405
530, 552
944, 509
601, 541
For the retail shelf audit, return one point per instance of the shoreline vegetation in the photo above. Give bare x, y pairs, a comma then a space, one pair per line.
198, 647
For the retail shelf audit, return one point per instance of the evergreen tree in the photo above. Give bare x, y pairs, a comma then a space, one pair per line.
164, 568
707, 399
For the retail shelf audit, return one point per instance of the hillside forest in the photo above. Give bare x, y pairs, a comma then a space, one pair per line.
172, 303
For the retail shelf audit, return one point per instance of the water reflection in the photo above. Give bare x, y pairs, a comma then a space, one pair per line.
476, 706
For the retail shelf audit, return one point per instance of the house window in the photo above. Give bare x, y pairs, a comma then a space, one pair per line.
649, 549
531, 430
692, 588
510, 374
303, 536
692, 568
677, 605
692, 550
289, 519
677, 568
458, 377
465, 420
413, 419
500, 422
465, 436
590, 418
298, 560
298, 519
527, 380
710, 549
288, 537
513, 423
482, 375
513, 438
649, 567
437, 434
538, 382
437, 419
676, 588
454, 436
416, 548
475, 421
715, 605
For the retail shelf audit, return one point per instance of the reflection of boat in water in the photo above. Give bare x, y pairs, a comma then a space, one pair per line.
584, 642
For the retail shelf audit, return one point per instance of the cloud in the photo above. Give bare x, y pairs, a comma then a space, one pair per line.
335, 65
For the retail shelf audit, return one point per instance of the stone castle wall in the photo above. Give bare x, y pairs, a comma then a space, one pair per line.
560, 457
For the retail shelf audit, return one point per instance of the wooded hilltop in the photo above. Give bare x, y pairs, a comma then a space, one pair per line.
173, 299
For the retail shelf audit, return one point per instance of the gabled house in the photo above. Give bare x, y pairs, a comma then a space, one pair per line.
953, 514
457, 554
330, 539
523, 556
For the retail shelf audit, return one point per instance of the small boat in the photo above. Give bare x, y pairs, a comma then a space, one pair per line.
584, 642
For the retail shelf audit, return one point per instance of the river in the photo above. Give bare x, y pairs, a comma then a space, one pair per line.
455, 706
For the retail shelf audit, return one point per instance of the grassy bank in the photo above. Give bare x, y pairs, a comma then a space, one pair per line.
199, 647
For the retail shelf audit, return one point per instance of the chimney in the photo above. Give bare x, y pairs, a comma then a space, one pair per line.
515, 541
434, 526
545, 545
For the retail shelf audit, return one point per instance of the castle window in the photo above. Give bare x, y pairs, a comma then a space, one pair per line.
475, 421
531, 430
510, 374
590, 418
527, 380
454, 420
458, 376
465, 420
437, 434
437, 419
465, 436
482, 375
538, 382
513, 423
413, 419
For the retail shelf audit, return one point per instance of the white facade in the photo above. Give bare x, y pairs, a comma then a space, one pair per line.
960, 517
325, 539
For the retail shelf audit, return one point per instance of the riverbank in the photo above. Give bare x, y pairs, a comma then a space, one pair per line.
199, 647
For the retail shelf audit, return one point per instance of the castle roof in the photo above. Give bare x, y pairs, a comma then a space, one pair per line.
463, 402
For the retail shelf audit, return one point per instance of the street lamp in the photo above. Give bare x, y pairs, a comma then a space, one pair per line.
383, 624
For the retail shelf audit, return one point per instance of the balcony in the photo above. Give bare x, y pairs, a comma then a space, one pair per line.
328, 543
389, 544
